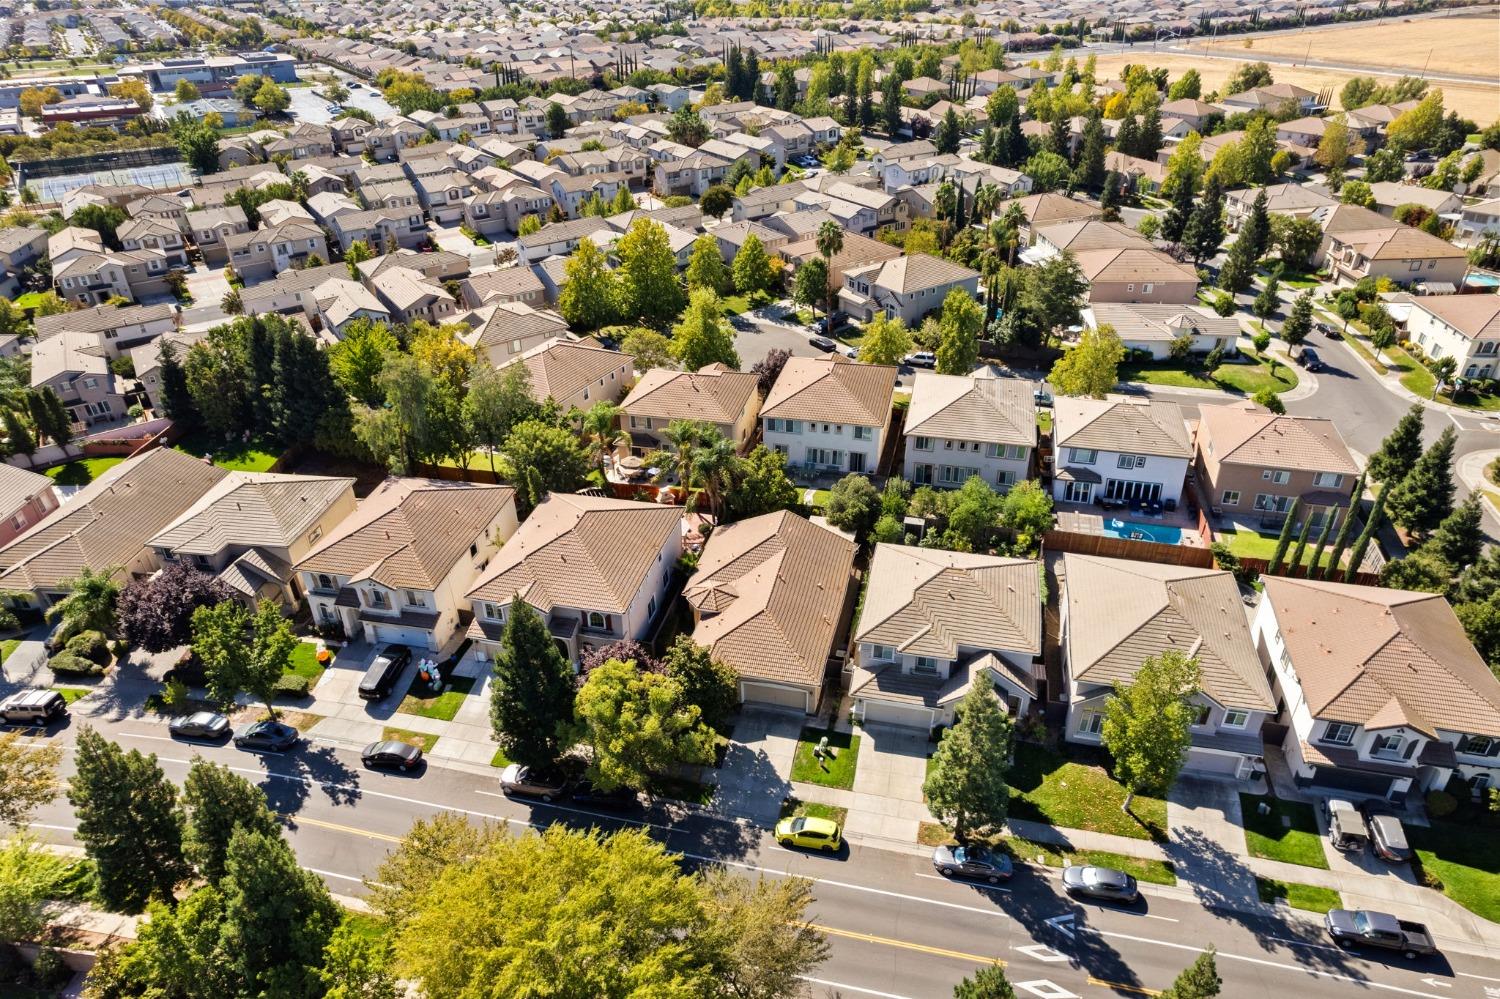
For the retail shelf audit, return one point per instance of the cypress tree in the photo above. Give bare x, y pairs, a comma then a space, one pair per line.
1286, 537
1149, 141
1089, 174
1312, 569
1401, 448
175, 399
1301, 548
1357, 556
1425, 496
1459, 539
18, 436
532, 696
1341, 541
1059, 139
1174, 220
1205, 228
1127, 139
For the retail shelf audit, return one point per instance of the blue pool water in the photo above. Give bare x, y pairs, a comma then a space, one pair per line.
1159, 533
1483, 280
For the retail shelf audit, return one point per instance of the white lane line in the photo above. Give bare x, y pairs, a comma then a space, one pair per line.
851, 887
66, 829
1482, 978
966, 884
1145, 915
334, 874
851, 988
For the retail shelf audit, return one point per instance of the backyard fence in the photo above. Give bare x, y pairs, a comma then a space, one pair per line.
1141, 551
1261, 567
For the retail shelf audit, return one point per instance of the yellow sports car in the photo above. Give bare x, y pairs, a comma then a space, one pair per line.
805, 831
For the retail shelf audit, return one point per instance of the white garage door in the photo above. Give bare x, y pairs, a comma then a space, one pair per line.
415, 638
771, 694
883, 712
1217, 764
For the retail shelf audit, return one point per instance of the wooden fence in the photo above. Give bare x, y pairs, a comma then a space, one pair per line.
1141, 551
1261, 567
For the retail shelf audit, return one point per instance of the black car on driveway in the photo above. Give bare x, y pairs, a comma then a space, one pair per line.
975, 863
268, 735
1104, 883
1387, 835
200, 725
391, 754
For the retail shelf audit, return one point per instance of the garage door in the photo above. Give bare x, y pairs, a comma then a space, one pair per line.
771, 694
1217, 764
883, 712
415, 638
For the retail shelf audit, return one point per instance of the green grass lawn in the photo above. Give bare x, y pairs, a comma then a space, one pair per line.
304, 661
1251, 378
71, 694
1253, 544
422, 740
1229, 376
1289, 833
835, 772
1299, 280
1046, 786
420, 701
793, 807
83, 471
1044, 420
819, 498
1313, 898
1414, 374
500, 759
7, 647
237, 456
1158, 872
1464, 858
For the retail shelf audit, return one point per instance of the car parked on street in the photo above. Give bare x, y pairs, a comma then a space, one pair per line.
920, 359
586, 792
33, 707
809, 833
975, 863
391, 754
200, 725
823, 343
1387, 837
524, 782
1104, 883
1356, 928
383, 672
268, 735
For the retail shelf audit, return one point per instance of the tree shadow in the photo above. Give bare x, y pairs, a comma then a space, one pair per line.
289, 788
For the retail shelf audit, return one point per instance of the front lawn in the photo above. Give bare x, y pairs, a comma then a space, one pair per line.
420, 700
1464, 858
421, 740
71, 694
1288, 832
1252, 378
682, 789
836, 770
1078, 793
83, 471
1313, 898
304, 662
235, 455
792, 807
7, 647
1231, 376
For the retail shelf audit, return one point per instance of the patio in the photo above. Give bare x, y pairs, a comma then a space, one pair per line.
1082, 518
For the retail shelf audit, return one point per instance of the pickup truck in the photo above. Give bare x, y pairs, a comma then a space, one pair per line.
1364, 928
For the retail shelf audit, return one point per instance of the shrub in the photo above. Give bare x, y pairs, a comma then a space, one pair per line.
174, 695
49, 969
292, 685
1441, 804
1224, 303
75, 665
118, 648
89, 645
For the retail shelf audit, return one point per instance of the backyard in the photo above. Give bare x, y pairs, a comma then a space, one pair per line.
1288, 832
81, 472
1078, 793
1253, 544
237, 456
1241, 376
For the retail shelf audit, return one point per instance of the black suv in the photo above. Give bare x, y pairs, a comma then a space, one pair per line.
384, 672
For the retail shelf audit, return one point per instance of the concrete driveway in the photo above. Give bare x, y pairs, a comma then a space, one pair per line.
756, 775
887, 800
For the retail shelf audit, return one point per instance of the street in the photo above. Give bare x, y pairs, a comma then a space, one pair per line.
896, 929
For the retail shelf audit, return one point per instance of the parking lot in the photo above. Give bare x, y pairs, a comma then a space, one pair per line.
308, 105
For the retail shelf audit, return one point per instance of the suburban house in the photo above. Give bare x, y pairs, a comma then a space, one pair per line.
1137, 274
115, 329
1154, 328
905, 288
728, 401
1358, 243
934, 620
595, 568
829, 414
959, 426
513, 328
154, 234
507, 284
1041, 210
251, 528
772, 597
1252, 464
1119, 449
576, 374
1465, 327
25, 498
73, 366
1116, 613
1380, 690
211, 229
1296, 200
264, 253
106, 524
398, 567
1478, 220
857, 252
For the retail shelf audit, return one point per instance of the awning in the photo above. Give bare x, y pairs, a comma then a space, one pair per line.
1071, 474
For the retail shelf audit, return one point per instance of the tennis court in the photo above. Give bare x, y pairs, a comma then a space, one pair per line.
50, 190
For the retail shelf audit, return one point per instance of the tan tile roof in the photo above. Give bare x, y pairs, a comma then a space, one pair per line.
831, 387
770, 592
919, 272
507, 282
1151, 321
107, 522
17, 485
713, 394
1379, 658
929, 602
1122, 426
1092, 234
517, 321
1121, 612
252, 508
409, 532
1132, 264
583, 552
1476, 317
1044, 209
562, 368
981, 408
1245, 434
1395, 241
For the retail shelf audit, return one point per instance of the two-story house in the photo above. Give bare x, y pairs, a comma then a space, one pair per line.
727, 400
116, 329
73, 366
934, 620
442, 195
1137, 275
1253, 464
959, 426
1380, 690
251, 528
1358, 243
1464, 327
1119, 449
25, 498
1116, 613
596, 569
265, 253
512, 329
211, 229
397, 569
411, 296
154, 234
829, 414
576, 373
906, 288
20, 247
772, 598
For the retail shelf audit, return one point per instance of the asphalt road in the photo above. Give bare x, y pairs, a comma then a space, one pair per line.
896, 929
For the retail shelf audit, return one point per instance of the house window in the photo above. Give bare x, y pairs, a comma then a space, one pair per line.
1203, 712
1131, 461
864, 433
1338, 734
1235, 718
651, 607
1277, 476
923, 443
598, 621
925, 665
1005, 477
883, 653
324, 582
1479, 745
1328, 480
1082, 455
377, 598
1146, 289
1388, 745
493, 612
1230, 497
1092, 723
415, 599
1266, 503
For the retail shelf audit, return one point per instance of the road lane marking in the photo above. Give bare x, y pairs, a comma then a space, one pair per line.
67, 829
300, 820
1122, 987
957, 955
336, 874
1482, 978
960, 881
850, 988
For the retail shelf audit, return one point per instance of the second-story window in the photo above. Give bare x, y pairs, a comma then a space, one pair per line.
1338, 734
377, 598
598, 621
324, 581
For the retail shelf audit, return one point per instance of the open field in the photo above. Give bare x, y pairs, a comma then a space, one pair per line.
1464, 46
1471, 100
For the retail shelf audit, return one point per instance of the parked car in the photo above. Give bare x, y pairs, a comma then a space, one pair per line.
200, 725
383, 673
269, 735
1041, 396
920, 359
1387, 837
524, 782
585, 792
1365, 928
975, 862
810, 833
391, 755
1104, 883
1309, 359
829, 325
823, 343
1346, 828
33, 707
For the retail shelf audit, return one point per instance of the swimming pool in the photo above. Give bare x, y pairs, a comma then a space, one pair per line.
1478, 280
1134, 531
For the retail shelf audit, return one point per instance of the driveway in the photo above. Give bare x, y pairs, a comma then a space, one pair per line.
1206, 834
887, 801
756, 774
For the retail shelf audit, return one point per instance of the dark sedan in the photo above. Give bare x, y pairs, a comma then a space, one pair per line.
973, 862
391, 755
268, 735
200, 725
823, 343
585, 792
1103, 883
523, 782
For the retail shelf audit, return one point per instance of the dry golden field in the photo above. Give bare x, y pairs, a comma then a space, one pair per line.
1462, 45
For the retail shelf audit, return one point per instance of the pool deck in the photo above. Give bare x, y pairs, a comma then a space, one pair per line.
1082, 518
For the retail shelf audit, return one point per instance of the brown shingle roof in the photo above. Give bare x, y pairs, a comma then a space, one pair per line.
982, 408
1245, 434
832, 388
1476, 317
1123, 426
713, 394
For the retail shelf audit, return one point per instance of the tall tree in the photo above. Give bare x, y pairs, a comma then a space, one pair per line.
830, 243
961, 322
28, 777
810, 287
1199, 981
128, 822
278, 917
638, 725
360, 355
1299, 324
1091, 366
752, 268
649, 288
18, 439
986, 983
702, 337
1301, 548
498, 400
531, 700
1147, 724
1401, 448
1357, 556
1346, 526
544, 459
590, 298
1285, 539
156, 614
1459, 539
357, 966
1088, 174
886, 340
217, 803
965, 785
1205, 229
706, 267
1425, 496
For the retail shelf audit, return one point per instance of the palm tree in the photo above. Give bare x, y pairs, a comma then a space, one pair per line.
714, 462
945, 204
299, 186
90, 603
1012, 220
602, 433
986, 199
679, 448
830, 242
